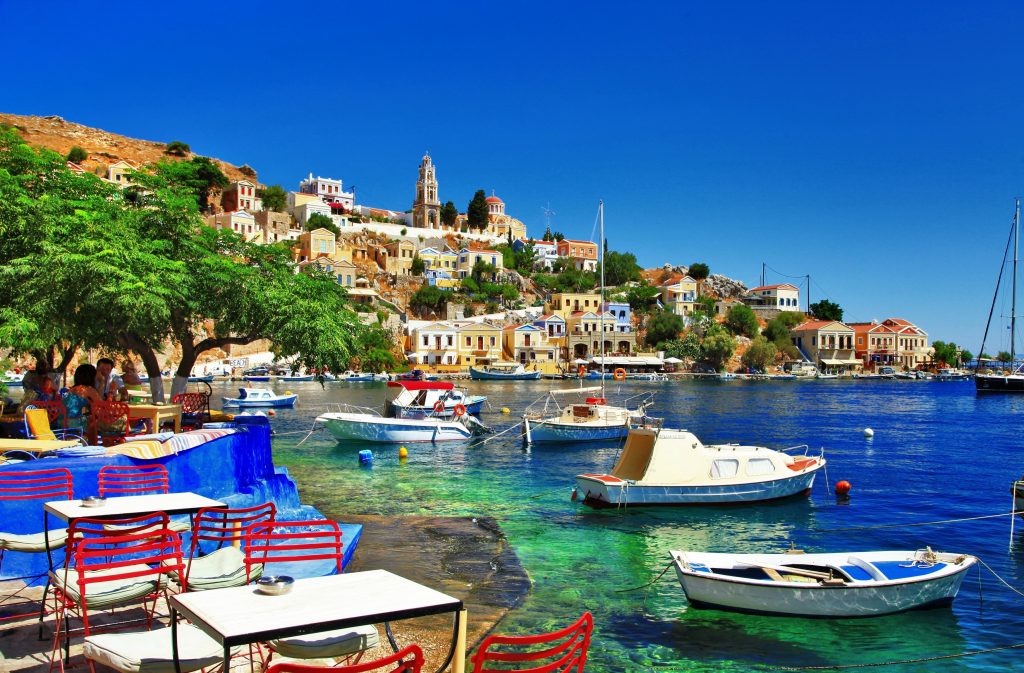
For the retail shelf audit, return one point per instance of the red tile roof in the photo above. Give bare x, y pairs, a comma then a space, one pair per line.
817, 324
774, 287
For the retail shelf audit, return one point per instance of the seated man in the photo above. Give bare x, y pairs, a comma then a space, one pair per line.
109, 384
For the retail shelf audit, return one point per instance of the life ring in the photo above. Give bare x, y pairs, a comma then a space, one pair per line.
460, 409
582, 371
620, 374
439, 407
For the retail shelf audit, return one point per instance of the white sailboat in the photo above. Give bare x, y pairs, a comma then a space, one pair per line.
1010, 380
593, 419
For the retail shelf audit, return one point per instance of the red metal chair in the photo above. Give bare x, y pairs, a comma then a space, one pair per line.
557, 652
113, 422
113, 567
195, 408
413, 665
221, 564
41, 485
133, 479
304, 541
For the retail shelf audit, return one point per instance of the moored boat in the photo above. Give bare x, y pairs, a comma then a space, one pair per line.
260, 397
587, 420
361, 377
296, 379
438, 399
1011, 378
672, 467
208, 378
503, 371
847, 584
371, 427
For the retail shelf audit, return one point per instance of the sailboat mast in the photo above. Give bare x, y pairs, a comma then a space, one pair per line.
1013, 301
600, 251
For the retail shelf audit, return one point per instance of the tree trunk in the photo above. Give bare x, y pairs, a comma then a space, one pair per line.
148, 355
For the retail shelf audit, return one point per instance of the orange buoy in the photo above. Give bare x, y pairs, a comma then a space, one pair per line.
271, 412
460, 409
439, 407
620, 374
582, 371
843, 487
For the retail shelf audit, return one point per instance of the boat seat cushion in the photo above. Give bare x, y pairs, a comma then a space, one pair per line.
32, 543
339, 643
151, 651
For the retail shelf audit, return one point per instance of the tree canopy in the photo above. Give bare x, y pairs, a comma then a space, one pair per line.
198, 176
477, 214
321, 221
98, 267
274, 198
77, 155
664, 326
177, 148
449, 214
620, 268
740, 320
826, 310
699, 271
717, 348
760, 354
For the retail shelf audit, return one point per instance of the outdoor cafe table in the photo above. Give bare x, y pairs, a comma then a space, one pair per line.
185, 502
157, 413
242, 616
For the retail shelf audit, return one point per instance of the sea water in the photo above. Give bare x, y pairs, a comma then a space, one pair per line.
939, 452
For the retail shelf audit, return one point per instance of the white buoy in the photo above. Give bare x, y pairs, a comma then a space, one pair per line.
869, 433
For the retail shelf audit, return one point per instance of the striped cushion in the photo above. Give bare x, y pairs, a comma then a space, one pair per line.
105, 594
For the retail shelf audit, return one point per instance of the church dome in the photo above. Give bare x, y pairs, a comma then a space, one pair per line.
494, 199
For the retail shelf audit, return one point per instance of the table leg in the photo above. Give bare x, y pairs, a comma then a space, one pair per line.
459, 663
177, 427
174, 641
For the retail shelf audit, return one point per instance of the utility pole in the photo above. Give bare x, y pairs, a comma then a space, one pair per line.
762, 274
808, 293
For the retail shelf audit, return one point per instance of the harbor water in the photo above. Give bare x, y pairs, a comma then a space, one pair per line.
939, 452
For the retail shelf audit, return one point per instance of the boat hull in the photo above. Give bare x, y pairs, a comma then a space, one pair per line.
368, 428
246, 403
473, 407
259, 379
986, 383
547, 431
811, 599
295, 379
604, 490
480, 375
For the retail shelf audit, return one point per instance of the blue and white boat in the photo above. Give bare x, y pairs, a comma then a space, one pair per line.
672, 467
296, 378
359, 377
590, 419
208, 378
846, 584
503, 371
437, 399
260, 397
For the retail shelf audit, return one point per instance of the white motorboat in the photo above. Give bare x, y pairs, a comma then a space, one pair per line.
590, 419
439, 399
854, 584
260, 397
503, 371
951, 374
672, 467
368, 426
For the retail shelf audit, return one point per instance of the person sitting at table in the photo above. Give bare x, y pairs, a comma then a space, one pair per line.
129, 375
38, 385
109, 384
81, 394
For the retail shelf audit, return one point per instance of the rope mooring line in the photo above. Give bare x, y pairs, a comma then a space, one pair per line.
920, 523
644, 586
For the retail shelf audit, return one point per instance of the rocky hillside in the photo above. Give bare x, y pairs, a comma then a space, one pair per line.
716, 285
104, 148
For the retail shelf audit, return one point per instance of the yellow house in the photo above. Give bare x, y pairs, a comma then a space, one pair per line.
118, 172
316, 243
397, 258
827, 343
563, 304
440, 260
478, 342
679, 294
529, 345
468, 259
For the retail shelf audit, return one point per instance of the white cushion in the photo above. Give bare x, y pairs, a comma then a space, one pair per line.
32, 542
151, 651
218, 570
328, 644
112, 592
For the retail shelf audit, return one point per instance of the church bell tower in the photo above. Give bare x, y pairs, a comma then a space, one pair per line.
426, 209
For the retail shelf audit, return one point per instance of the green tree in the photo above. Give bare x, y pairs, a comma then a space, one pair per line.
429, 297
177, 148
418, 266
481, 269
966, 356
477, 212
778, 332
740, 319
558, 236
77, 155
548, 236
826, 310
760, 354
946, 352
509, 294
404, 231
321, 221
620, 268
687, 348
664, 326
375, 351
699, 271
1004, 357
717, 348
199, 176
449, 214
643, 296
705, 306
469, 311
274, 198
469, 285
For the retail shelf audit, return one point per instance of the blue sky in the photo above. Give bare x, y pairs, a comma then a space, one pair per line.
876, 146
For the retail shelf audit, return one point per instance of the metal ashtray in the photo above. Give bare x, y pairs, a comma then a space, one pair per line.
93, 501
274, 585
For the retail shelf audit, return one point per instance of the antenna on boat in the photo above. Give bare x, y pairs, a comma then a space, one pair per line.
600, 250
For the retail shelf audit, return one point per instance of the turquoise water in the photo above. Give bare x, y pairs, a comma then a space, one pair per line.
939, 452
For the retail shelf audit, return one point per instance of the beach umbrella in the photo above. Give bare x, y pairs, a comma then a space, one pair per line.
672, 361
580, 361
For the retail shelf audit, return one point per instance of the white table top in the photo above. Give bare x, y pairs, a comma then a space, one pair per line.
241, 615
132, 505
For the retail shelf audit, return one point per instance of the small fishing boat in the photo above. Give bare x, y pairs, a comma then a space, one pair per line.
296, 379
208, 378
650, 376
672, 467
590, 419
411, 375
854, 584
260, 397
367, 425
503, 371
360, 377
951, 374
438, 399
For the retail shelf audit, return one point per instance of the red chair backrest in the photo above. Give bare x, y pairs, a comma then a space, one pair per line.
191, 403
55, 410
293, 541
133, 479
108, 412
414, 664
556, 652
90, 528
52, 484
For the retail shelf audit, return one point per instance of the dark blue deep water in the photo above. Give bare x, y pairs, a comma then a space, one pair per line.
939, 452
